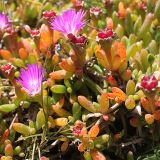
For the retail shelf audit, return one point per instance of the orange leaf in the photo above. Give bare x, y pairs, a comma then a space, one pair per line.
60, 111
110, 95
102, 58
109, 23
96, 155
149, 118
120, 50
116, 62
126, 75
104, 104
58, 75
119, 93
67, 65
146, 105
45, 38
60, 103
157, 115
56, 36
8, 150
23, 53
44, 158
121, 10
57, 108
93, 132
64, 146
27, 44
55, 59
82, 147
5, 54
88, 105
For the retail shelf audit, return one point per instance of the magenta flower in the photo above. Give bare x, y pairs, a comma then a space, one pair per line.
31, 78
70, 22
4, 21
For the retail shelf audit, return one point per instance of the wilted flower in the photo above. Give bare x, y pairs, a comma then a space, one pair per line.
80, 40
4, 21
31, 78
77, 3
95, 10
79, 129
70, 22
142, 5
7, 68
105, 35
149, 83
108, 3
49, 15
34, 33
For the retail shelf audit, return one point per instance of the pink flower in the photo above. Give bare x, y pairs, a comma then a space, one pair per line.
31, 78
70, 22
4, 21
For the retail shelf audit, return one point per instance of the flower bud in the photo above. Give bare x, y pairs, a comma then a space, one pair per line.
104, 104
94, 131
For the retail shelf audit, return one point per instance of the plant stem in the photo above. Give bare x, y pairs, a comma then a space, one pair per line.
10, 127
34, 146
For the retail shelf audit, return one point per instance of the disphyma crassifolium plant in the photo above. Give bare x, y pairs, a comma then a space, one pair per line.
80, 80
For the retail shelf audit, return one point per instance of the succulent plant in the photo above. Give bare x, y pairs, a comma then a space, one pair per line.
79, 79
